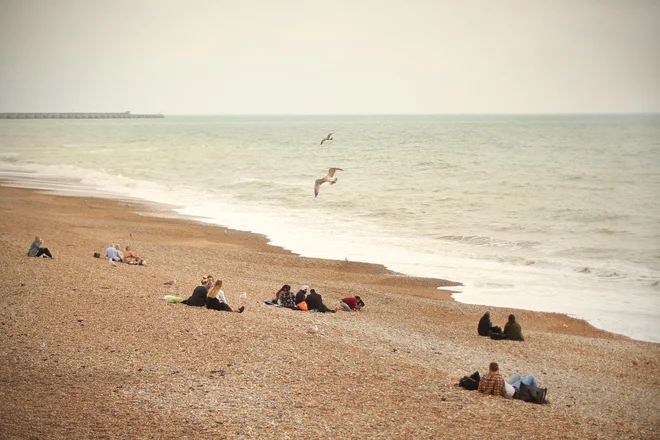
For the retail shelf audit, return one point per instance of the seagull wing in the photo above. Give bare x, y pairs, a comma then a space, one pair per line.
317, 186
323, 140
331, 171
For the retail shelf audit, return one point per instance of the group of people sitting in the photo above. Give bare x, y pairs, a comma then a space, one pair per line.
210, 294
512, 329
312, 301
114, 254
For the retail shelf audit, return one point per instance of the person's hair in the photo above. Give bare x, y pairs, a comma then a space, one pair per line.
487, 314
285, 288
312, 291
494, 367
512, 318
128, 248
213, 291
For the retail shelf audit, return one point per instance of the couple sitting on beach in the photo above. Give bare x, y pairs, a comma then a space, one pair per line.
209, 294
312, 302
114, 254
512, 329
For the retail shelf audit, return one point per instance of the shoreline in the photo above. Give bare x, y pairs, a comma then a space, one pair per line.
93, 351
443, 286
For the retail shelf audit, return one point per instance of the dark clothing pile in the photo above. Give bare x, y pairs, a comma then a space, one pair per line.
198, 297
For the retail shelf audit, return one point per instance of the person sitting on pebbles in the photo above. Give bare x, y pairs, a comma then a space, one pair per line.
315, 302
351, 304
36, 250
198, 297
512, 330
112, 254
215, 299
130, 257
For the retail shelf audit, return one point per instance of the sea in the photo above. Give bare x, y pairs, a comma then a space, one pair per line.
555, 213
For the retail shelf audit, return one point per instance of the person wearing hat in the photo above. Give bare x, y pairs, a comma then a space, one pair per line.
351, 304
300, 296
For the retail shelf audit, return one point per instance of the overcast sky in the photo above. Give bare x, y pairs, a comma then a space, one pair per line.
330, 57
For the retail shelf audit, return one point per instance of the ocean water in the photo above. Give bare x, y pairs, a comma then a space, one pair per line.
548, 213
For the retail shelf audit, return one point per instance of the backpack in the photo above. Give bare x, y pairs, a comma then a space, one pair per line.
529, 393
470, 383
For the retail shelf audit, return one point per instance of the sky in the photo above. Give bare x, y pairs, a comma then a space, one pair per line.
330, 57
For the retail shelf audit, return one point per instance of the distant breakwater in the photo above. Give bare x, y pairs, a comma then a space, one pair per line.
123, 115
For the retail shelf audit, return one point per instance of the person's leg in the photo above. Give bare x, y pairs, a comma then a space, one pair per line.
345, 306
530, 380
226, 307
515, 377
44, 251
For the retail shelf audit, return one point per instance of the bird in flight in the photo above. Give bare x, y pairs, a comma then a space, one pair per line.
329, 178
327, 138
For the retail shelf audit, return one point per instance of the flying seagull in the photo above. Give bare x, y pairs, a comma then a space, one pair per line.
327, 138
329, 178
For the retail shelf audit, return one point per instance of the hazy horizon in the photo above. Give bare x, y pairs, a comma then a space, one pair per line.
298, 57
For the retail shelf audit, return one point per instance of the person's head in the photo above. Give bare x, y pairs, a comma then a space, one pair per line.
312, 291
37, 238
213, 291
360, 303
128, 248
204, 280
117, 246
304, 287
285, 288
209, 280
512, 318
487, 315
493, 367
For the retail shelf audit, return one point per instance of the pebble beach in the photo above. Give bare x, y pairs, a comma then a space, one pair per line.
94, 351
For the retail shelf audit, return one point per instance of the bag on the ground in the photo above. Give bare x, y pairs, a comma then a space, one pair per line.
470, 382
97, 255
530, 393
497, 336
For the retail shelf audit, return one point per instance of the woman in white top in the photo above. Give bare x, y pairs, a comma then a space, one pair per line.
215, 299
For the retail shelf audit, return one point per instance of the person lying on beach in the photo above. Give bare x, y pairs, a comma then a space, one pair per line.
37, 251
215, 299
512, 329
486, 327
198, 297
351, 304
492, 383
130, 257
315, 302
300, 296
112, 254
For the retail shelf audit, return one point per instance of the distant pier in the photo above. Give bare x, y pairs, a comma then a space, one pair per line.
124, 115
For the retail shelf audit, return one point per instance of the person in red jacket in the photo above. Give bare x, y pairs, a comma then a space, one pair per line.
352, 304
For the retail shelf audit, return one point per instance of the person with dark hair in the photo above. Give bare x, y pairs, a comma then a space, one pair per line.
486, 327
315, 302
512, 329
198, 297
351, 304
37, 251
284, 290
215, 299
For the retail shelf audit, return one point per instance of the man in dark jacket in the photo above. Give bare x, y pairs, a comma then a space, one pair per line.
315, 302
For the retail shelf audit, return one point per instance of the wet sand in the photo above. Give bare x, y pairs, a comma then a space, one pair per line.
93, 351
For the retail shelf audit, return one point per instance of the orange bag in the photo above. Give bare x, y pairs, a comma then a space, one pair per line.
303, 306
